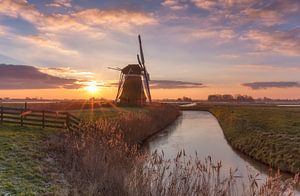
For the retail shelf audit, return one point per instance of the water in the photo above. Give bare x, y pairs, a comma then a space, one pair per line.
288, 105
200, 131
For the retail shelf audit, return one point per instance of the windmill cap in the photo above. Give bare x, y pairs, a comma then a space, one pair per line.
132, 69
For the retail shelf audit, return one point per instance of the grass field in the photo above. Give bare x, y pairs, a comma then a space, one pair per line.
105, 112
28, 164
268, 134
23, 162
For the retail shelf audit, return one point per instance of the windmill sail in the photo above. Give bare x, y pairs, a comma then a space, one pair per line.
133, 88
141, 52
145, 73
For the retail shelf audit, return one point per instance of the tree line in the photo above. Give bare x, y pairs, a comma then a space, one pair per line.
230, 98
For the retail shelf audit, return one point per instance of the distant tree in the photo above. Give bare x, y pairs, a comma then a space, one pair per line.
187, 98
227, 98
244, 98
214, 98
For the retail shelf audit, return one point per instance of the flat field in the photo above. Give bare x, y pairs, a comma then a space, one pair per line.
268, 134
28, 164
105, 112
25, 168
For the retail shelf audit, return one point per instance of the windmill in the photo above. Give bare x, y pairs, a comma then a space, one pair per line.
133, 86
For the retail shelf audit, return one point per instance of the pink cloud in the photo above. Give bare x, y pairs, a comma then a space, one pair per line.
244, 11
219, 35
60, 3
85, 20
282, 42
175, 4
265, 68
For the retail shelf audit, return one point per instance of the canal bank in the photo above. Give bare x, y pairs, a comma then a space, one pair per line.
270, 135
199, 134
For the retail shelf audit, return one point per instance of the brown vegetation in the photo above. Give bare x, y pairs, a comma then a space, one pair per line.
102, 159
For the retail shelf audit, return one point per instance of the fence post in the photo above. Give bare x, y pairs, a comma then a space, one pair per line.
43, 119
21, 116
25, 106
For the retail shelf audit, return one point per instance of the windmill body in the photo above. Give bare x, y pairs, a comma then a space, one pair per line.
133, 88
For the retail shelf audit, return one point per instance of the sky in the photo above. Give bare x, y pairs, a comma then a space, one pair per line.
62, 48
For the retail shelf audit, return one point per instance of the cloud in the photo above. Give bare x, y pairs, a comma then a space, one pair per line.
173, 84
83, 20
266, 85
175, 4
246, 12
218, 35
65, 34
60, 3
282, 42
3, 30
46, 43
265, 68
29, 77
66, 72
20, 8
122, 18
165, 84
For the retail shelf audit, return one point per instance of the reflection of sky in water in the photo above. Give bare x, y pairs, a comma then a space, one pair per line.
201, 132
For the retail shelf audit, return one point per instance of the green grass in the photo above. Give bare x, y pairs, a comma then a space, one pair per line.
104, 112
22, 161
268, 134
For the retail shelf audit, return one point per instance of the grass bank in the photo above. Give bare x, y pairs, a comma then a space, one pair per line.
102, 159
268, 134
29, 155
25, 167
135, 123
106, 112
97, 158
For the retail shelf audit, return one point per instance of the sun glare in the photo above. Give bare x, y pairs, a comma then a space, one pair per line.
92, 87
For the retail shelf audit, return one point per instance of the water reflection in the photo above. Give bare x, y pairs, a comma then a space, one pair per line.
201, 132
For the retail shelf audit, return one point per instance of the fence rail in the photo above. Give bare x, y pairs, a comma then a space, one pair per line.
41, 118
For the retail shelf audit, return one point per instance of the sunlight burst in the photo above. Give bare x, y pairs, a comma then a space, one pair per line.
91, 87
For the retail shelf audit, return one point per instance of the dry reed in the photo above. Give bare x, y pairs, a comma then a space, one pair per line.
102, 159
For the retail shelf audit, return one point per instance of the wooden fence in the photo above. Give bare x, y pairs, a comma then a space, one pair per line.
41, 118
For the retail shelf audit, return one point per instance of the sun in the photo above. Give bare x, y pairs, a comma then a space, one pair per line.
91, 87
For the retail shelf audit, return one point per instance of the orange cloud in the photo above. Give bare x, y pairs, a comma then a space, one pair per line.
66, 72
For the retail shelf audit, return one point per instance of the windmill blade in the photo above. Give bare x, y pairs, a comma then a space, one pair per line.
145, 73
139, 61
148, 90
115, 68
142, 61
141, 51
119, 86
